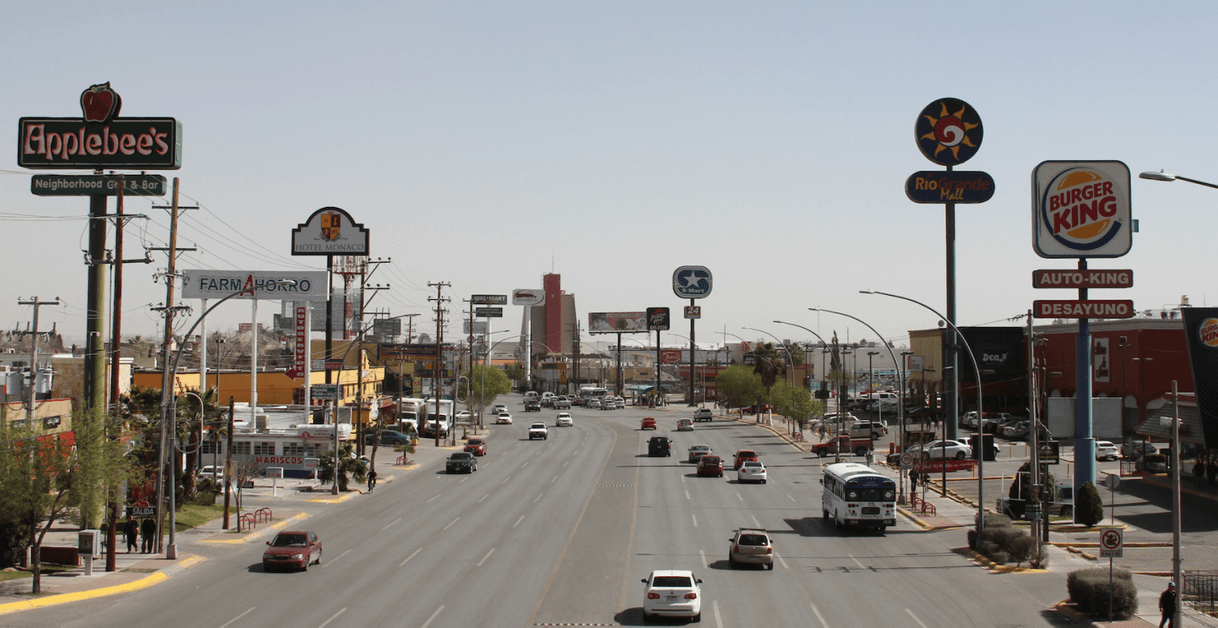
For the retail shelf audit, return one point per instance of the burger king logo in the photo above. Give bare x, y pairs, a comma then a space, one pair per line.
1207, 333
1082, 209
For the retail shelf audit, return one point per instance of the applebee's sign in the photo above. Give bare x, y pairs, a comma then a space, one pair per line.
99, 139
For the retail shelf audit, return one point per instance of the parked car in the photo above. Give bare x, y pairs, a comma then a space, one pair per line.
476, 446
672, 593
461, 462
564, 420
505, 418
751, 471
659, 446
649, 423
743, 455
868, 429
215, 473
697, 451
292, 548
710, 465
750, 546
388, 437
1138, 449
943, 449
685, 425
1105, 450
703, 414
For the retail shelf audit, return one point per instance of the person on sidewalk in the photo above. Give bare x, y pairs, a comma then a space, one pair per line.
131, 532
371, 480
1199, 472
913, 486
147, 531
870, 456
1167, 606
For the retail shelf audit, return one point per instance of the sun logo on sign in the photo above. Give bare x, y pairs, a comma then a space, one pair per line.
949, 132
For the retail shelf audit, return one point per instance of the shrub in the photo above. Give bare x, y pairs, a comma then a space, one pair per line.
1089, 589
1088, 507
1023, 549
1003, 542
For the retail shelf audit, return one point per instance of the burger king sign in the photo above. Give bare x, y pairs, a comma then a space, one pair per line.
1081, 209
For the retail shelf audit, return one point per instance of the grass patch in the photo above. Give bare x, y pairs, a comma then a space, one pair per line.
195, 515
47, 569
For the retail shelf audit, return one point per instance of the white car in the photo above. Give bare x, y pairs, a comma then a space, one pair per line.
212, 472
594, 404
672, 593
498, 409
946, 449
619, 403
505, 418
564, 420
464, 415
751, 471
1105, 450
539, 430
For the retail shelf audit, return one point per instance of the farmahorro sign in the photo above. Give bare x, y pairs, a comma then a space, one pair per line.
1081, 209
330, 231
617, 322
216, 284
99, 139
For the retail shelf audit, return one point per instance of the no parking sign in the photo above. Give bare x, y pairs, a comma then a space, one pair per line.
1112, 543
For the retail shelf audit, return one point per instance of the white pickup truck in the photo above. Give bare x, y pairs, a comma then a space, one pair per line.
539, 430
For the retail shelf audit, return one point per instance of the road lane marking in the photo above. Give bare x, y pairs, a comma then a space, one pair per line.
433, 616
915, 618
818, 615
687, 497
488, 555
566, 463
856, 561
518, 522
506, 479
464, 479
226, 625
791, 498
703, 555
755, 521
738, 496
554, 478
403, 563
394, 521
538, 498
718, 618
432, 499
695, 517
784, 563
332, 618
484, 497
331, 562
450, 524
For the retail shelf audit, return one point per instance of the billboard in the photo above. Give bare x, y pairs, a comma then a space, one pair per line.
1081, 209
999, 352
248, 284
617, 322
657, 318
1201, 336
528, 296
330, 231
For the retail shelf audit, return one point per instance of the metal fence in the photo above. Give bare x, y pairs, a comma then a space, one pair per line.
1201, 590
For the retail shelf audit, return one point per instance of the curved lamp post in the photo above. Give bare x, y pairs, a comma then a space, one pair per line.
980, 413
1163, 176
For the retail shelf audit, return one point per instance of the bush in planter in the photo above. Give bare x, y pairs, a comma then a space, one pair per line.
1089, 588
1088, 507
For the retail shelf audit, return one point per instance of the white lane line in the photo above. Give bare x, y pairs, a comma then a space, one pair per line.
433, 616
818, 615
538, 498
334, 560
739, 496
856, 561
566, 463
488, 555
251, 609
915, 618
695, 517
333, 617
484, 497
450, 524
784, 563
432, 499
718, 618
703, 555
552, 480
574, 452
464, 479
506, 479
791, 498
756, 522
394, 521
526, 463
687, 495
518, 522
403, 563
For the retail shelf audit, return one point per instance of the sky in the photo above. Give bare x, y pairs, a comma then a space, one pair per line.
485, 144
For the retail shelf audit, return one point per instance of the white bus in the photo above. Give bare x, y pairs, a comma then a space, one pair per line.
588, 393
854, 495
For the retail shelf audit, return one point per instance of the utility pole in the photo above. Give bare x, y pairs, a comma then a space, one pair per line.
37, 303
439, 365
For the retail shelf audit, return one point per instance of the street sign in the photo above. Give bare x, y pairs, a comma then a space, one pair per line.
693, 311
907, 460
657, 318
957, 186
334, 365
1112, 543
1112, 481
1050, 452
141, 512
1083, 309
488, 299
1081, 209
488, 312
1082, 278
948, 131
96, 184
692, 282
325, 392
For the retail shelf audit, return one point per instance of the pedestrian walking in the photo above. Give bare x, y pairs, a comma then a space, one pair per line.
1167, 606
371, 480
1211, 471
131, 532
913, 485
1199, 471
147, 531
870, 456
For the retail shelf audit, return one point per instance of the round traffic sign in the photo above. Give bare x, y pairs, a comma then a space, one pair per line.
906, 460
948, 131
1111, 539
1112, 481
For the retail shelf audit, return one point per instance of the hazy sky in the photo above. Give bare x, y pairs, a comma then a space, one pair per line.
485, 144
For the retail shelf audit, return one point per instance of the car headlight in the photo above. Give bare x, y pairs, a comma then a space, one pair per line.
266, 556
297, 556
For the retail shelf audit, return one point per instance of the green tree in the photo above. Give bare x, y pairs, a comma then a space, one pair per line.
485, 384
795, 403
740, 385
768, 364
1088, 507
349, 467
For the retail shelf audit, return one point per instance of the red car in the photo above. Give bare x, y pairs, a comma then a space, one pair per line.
292, 548
476, 446
710, 465
649, 423
743, 455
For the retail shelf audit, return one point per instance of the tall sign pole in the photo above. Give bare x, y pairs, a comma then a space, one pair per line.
948, 132
693, 283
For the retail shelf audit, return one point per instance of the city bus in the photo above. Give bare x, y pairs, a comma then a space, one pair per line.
588, 393
855, 495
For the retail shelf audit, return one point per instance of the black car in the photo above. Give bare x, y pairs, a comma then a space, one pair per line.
659, 446
461, 462
388, 437
532, 405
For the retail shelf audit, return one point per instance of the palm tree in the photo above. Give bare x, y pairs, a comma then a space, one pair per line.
349, 467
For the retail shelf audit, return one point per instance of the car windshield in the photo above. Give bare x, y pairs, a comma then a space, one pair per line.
463, 456
752, 465
673, 582
475, 441
753, 539
289, 540
710, 459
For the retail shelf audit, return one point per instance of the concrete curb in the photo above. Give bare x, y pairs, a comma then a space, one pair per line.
258, 533
67, 598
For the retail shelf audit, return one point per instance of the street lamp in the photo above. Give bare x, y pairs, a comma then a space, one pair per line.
822, 342
871, 382
980, 413
1163, 176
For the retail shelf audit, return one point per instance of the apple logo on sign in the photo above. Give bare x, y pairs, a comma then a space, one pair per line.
100, 103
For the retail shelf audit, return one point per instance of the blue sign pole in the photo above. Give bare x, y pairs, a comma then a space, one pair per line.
1084, 441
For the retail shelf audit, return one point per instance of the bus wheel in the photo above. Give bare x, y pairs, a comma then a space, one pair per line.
824, 514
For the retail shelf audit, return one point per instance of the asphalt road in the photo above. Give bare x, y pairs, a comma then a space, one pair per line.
559, 532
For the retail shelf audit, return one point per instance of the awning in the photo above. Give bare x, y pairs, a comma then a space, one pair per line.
1190, 424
